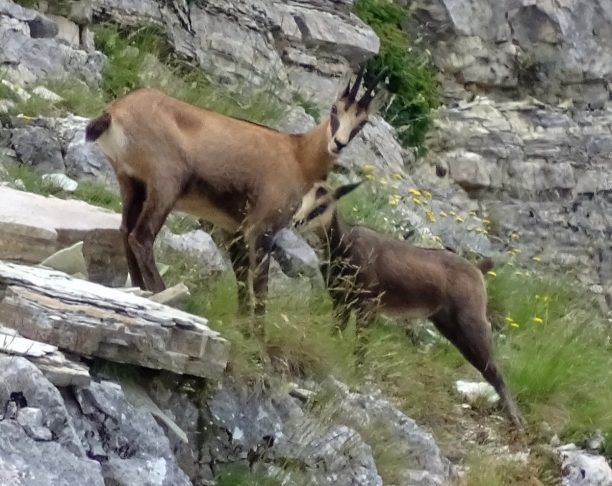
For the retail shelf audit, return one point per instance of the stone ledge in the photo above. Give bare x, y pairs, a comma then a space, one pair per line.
93, 320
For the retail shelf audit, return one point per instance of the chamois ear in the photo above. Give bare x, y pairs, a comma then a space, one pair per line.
346, 189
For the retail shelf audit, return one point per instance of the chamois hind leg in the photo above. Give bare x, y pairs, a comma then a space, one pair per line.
472, 336
159, 201
239, 256
132, 195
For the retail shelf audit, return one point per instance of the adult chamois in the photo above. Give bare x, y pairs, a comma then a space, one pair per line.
367, 272
243, 177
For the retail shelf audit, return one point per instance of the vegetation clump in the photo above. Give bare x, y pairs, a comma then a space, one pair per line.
410, 72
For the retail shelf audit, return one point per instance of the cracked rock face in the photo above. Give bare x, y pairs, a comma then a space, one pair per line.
88, 435
299, 45
556, 49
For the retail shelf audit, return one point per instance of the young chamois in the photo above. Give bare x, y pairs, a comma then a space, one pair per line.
243, 177
367, 272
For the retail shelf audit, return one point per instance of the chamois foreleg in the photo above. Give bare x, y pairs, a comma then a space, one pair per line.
132, 195
337, 294
239, 256
260, 249
159, 202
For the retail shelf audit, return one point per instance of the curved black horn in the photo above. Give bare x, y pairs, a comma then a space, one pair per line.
357, 84
347, 90
367, 96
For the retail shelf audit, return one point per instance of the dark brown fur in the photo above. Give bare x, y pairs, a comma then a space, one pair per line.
368, 272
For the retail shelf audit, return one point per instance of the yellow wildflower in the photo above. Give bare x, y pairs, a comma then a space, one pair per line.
514, 324
383, 182
538, 320
430, 216
452, 213
514, 235
486, 221
536, 258
509, 319
443, 214
426, 194
415, 192
459, 219
369, 177
392, 202
397, 197
368, 167
492, 273
396, 175
417, 201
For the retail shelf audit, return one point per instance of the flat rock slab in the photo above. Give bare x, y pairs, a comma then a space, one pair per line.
58, 368
32, 227
92, 320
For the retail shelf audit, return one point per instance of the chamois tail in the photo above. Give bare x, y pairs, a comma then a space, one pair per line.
97, 127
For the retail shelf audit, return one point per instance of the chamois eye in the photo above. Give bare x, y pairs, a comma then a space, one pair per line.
318, 211
334, 110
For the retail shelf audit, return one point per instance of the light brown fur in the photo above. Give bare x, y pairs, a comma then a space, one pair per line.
246, 178
369, 273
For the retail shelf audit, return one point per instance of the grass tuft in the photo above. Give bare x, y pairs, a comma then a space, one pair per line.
143, 58
91, 192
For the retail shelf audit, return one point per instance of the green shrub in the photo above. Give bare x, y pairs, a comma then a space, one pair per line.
410, 72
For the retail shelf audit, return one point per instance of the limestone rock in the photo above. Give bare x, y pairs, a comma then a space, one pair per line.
580, 468
197, 245
58, 368
473, 392
18, 375
92, 320
304, 45
68, 260
549, 49
37, 147
328, 454
136, 449
294, 255
104, 254
424, 462
34, 227
31, 53
31, 419
25, 461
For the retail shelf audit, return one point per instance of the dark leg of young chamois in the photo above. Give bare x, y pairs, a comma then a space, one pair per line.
243, 177
369, 273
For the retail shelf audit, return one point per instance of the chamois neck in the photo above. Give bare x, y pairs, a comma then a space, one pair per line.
334, 235
315, 159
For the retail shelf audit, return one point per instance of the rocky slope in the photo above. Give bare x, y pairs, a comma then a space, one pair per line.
524, 140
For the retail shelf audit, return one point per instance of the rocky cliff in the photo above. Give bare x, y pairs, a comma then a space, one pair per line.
518, 162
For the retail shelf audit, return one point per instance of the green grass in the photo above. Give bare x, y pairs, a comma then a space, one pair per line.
369, 206
90, 192
411, 75
557, 352
499, 470
242, 476
143, 57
